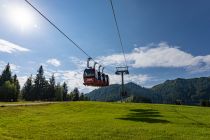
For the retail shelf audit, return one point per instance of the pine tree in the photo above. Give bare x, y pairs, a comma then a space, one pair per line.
27, 91
75, 94
17, 86
65, 91
82, 97
45, 91
71, 96
6, 75
58, 92
52, 88
39, 84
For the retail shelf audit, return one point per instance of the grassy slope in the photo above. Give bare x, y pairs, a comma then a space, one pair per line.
95, 120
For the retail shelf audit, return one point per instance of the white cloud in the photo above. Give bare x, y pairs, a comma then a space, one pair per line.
22, 80
79, 63
8, 47
159, 55
135, 78
15, 68
111, 60
202, 64
54, 62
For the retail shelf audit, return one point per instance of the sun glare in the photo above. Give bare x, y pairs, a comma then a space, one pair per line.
21, 17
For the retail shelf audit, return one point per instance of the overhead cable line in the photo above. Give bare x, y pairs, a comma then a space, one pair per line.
118, 32
56, 27
120, 70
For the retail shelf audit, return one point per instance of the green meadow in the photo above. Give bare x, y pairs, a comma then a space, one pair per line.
98, 120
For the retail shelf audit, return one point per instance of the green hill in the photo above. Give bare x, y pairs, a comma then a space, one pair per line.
189, 91
99, 120
112, 92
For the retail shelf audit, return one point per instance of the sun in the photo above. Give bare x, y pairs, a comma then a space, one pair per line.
21, 17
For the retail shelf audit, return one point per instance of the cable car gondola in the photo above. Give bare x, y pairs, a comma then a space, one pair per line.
92, 77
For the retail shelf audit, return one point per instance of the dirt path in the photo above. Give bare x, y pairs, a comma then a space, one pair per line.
27, 104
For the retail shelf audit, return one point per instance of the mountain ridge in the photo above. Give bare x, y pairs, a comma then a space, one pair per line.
190, 91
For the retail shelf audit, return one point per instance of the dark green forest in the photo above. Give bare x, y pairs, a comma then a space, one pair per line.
35, 89
188, 91
194, 91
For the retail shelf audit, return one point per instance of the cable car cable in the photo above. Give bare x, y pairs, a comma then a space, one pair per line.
56, 27
118, 32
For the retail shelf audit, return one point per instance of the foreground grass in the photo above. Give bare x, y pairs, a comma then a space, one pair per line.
95, 120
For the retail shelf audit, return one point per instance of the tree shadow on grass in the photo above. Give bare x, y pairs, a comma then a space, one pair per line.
144, 115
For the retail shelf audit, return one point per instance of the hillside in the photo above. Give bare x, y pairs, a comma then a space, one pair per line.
189, 91
111, 93
97, 120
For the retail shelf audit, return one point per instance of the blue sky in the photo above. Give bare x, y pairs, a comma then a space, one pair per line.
163, 39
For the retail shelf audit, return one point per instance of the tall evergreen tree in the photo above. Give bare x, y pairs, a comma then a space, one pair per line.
52, 88
17, 86
39, 84
6, 75
82, 97
27, 90
75, 94
58, 92
45, 91
71, 96
65, 91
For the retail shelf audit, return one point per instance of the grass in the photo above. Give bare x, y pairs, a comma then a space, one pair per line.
96, 120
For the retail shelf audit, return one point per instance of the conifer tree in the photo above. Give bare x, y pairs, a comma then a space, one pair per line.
65, 91
17, 86
82, 97
6, 75
75, 94
58, 92
52, 88
39, 84
27, 91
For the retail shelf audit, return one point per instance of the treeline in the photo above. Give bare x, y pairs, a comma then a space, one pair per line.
35, 89
9, 86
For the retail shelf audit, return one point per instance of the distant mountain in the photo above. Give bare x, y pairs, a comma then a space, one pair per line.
189, 91
112, 92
